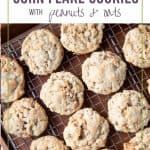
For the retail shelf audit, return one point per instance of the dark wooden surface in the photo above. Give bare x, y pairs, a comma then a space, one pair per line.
14, 30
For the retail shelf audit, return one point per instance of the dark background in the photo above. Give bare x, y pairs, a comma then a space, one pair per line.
14, 30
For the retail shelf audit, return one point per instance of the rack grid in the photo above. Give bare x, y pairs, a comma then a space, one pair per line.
113, 40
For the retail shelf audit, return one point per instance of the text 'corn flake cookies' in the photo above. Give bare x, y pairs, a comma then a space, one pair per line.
86, 130
42, 52
81, 38
128, 111
25, 118
136, 47
140, 142
12, 80
48, 143
148, 81
104, 72
63, 93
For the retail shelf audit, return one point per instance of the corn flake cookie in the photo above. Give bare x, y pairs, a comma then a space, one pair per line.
25, 118
81, 38
48, 143
141, 141
104, 72
42, 52
136, 47
12, 80
86, 130
63, 93
128, 111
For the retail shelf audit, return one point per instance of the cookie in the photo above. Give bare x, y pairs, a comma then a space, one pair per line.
42, 52
25, 118
128, 111
86, 130
48, 143
148, 81
140, 142
12, 80
136, 47
63, 93
104, 72
81, 38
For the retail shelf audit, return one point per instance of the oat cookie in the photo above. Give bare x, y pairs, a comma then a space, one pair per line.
136, 47
63, 93
25, 118
81, 38
128, 111
12, 80
42, 52
86, 130
104, 72
148, 81
140, 142
48, 143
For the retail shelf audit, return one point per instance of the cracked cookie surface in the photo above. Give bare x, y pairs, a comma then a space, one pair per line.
12, 80
86, 130
128, 111
136, 47
104, 72
48, 143
25, 118
42, 52
141, 141
63, 93
81, 38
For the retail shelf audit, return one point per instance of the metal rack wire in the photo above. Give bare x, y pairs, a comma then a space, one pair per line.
113, 40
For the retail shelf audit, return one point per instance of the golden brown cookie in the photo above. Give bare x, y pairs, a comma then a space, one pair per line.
63, 93
86, 130
42, 52
12, 80
128, 111
81, 38
141, 141
48, 143
104, 72
25, 118
136, 47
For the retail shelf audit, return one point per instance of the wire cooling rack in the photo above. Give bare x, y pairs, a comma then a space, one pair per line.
113, 40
